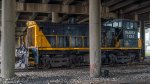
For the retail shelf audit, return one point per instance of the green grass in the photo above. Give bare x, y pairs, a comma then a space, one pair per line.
147, 53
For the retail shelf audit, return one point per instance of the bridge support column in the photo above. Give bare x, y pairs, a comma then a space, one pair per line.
8, 38
95, 40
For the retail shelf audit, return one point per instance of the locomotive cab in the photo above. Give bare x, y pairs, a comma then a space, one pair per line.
124, 32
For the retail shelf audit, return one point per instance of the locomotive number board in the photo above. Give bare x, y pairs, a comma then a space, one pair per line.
130, 34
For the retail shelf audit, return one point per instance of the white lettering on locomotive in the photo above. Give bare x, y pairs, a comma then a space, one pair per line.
129, 32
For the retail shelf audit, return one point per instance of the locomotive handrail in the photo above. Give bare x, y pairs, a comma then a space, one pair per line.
56, 38
82, 38
80, 48
63, 35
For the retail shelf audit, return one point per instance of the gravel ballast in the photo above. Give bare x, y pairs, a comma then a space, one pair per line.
138, 74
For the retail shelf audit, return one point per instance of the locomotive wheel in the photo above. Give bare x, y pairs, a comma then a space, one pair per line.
46, 64
69, 63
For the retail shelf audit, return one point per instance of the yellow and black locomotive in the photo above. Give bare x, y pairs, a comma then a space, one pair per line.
56, 45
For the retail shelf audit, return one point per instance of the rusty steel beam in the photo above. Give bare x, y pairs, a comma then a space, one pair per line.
45, 1
136, 7
25, 20
111, 2
142, 11
49, 8
122, 4
67, 2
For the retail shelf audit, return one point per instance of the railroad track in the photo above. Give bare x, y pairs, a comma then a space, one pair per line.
76, 67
